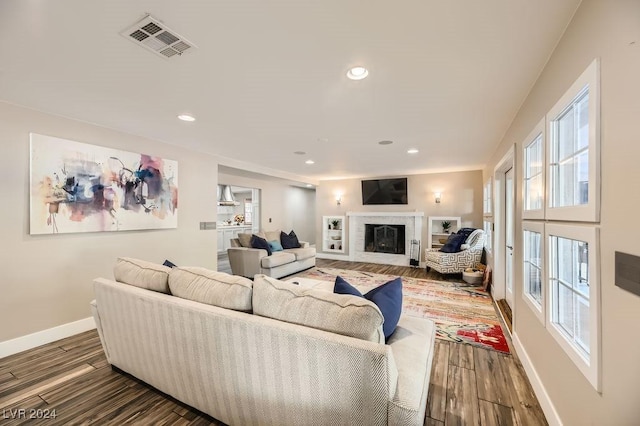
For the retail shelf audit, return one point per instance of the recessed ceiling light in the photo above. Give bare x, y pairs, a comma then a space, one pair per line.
385, 142
299, 152
357, 73
186, 117
412, 151
310, 162
309, 185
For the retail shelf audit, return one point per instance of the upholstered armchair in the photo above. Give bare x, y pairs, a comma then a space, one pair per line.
453, 263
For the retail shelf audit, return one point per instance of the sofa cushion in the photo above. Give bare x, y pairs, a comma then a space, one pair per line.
290, 240
277, 259
260, 243
272, 235
302, 253
349, 316
211, 287
387, 297
141, 273
245, 239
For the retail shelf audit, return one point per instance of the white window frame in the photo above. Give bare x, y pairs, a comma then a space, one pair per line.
538, 309
538, 131
589, 366
589, 212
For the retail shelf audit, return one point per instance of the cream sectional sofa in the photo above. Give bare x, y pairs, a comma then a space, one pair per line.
266, 352
247, 262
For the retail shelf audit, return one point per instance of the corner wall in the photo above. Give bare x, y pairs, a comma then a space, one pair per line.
289, 207
609, 30
47, 279
461, 196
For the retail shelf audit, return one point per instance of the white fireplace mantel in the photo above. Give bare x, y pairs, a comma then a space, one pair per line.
378, 214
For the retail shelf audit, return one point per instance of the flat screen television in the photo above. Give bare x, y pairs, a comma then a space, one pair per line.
384, 191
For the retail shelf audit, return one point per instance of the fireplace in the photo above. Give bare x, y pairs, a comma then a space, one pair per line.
381, 238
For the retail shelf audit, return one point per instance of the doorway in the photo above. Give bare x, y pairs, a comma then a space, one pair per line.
504, 286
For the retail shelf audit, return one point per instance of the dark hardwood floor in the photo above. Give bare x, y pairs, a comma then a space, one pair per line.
72, 380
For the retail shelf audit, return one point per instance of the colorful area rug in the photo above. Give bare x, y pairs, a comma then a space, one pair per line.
463, 313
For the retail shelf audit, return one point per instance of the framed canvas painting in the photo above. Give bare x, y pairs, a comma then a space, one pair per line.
78, 187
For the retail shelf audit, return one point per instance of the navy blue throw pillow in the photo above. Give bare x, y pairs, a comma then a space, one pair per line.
454, 243
260, 243
169, 263
387, 297
343, 287
289, 241
466, 232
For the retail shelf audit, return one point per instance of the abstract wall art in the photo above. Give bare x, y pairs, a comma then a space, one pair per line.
77, 187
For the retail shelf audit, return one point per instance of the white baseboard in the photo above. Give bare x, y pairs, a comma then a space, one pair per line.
538, 388
30, 341
331, 256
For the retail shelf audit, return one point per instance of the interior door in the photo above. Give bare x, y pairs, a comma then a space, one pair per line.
509, 237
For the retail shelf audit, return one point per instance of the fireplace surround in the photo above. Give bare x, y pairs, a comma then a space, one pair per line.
412, 222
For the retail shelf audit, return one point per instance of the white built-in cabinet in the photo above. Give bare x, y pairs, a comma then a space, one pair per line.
436, 232
333, 236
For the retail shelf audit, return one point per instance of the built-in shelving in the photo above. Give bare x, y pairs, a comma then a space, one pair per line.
436, 232
333, 236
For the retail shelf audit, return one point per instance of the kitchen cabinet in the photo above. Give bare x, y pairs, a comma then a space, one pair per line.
227, 232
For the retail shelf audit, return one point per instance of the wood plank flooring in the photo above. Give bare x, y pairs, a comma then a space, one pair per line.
468, 386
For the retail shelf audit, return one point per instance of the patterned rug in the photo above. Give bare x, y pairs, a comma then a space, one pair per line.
463, 313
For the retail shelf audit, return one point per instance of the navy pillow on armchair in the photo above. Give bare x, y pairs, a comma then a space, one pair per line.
454, 243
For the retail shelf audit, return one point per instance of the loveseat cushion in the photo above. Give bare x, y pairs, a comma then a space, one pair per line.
211, 287
349, 316
302, 253
277, 259
272, 235
143, 274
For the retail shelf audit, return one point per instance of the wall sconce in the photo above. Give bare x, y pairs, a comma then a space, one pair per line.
338, 199
438, 197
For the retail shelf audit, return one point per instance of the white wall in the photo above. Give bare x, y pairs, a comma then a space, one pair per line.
609, 30
288, 207
461, 196
47, 279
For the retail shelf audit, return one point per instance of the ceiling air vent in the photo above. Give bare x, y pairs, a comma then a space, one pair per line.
153, 35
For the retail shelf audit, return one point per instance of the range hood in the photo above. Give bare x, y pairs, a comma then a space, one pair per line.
225, 196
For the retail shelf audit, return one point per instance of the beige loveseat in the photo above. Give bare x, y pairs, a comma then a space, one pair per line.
247, 262
236, 349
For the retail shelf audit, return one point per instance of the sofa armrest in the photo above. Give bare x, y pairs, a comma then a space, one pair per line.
245, 261
413, 344
303, 244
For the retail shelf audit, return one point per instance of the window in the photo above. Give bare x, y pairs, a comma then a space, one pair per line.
488, 232
533, 259
487, 198
248, 211
533, 185
574, 309
574, 157
487, 208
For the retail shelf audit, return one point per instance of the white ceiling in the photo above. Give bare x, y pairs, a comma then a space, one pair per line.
268, 77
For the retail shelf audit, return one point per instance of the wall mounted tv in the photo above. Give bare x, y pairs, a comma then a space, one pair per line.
384, 191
